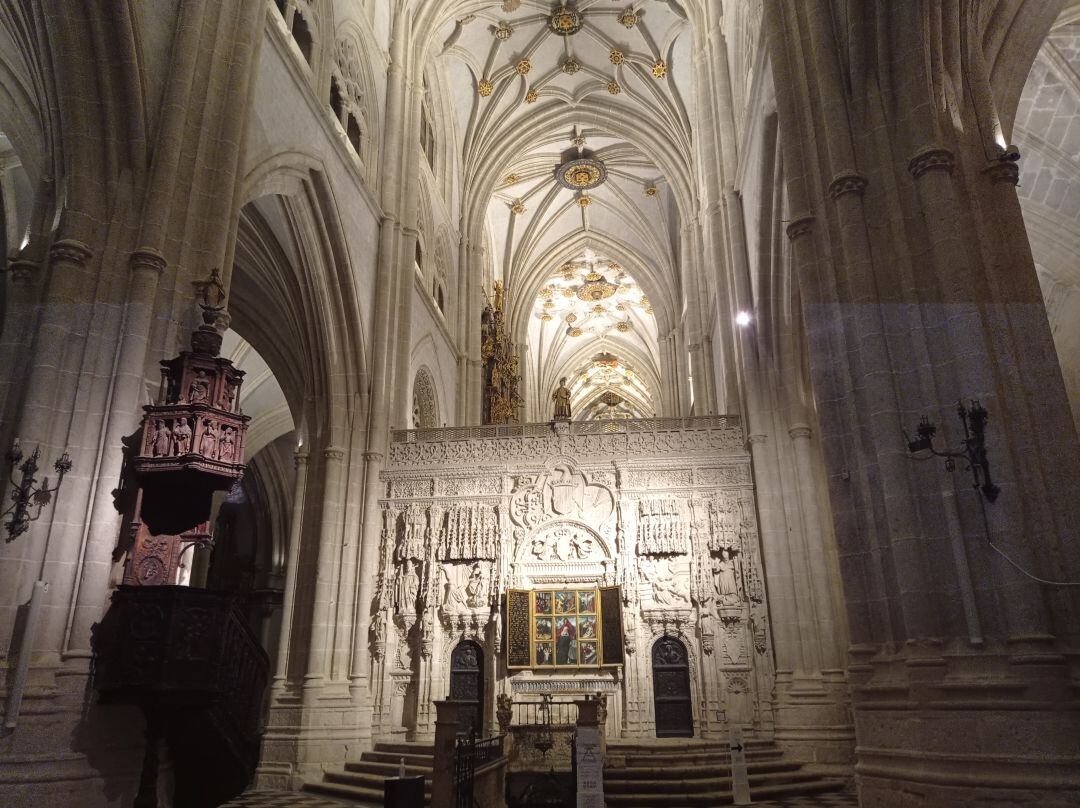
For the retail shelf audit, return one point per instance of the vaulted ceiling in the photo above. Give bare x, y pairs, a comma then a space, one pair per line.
537, 85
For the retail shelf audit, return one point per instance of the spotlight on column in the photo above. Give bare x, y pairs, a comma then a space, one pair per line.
743, 318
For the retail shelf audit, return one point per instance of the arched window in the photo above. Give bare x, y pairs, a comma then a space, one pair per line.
427, 136
440, 299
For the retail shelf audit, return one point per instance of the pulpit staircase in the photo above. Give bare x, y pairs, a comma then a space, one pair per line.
686, 774
361, 783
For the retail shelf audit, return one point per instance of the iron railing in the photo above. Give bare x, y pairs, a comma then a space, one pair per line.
544, 713
472, 753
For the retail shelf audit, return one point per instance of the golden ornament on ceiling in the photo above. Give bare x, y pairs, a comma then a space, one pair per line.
652, 190
581, 174
606, 359
620, 307
598, 308
617, 57
659, 69
531, 96
549, 304
568, 275
503, 31
485, 88
614, 267
511, 179
574, 331
546, 317
644, 300
571, 318
595, 288
565, 21
623, 326
546, 292
511, 5
568, 292
571, 66
628, 18
584, 201
613, 88
518, 207
523, 67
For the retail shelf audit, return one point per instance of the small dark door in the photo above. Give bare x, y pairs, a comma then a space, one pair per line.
467, 684
671, 689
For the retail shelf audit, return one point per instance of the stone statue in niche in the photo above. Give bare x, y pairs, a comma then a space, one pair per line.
561, 399
474, 589
726, 579
181, 436
159, 446
228, 397
408, 588
227, 451
199, 391
208, 441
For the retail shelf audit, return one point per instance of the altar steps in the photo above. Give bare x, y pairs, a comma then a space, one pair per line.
361, 783
697, 774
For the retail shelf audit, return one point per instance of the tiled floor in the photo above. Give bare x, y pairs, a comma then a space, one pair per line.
289, 799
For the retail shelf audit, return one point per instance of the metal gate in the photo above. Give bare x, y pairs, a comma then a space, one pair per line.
467, 685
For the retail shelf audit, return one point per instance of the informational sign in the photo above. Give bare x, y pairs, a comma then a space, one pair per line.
740, 782
589, 764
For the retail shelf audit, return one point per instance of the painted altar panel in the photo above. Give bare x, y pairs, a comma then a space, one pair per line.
658, 519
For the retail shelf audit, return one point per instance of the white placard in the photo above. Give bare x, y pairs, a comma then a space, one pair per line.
590, 768
740, 782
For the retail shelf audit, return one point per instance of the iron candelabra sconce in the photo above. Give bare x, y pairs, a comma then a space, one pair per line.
28, 494
973, 446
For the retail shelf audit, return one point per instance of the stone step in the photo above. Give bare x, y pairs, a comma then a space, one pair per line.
695, 772
423, 761
387, 768
695, 785
405, 748
681, 745
712, 799
698, 758
362, 779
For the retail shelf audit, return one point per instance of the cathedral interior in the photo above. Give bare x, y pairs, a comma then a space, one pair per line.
540, 403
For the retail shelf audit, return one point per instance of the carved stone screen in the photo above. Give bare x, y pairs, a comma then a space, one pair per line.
565, 629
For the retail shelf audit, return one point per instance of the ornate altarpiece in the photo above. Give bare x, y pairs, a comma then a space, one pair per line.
659, 515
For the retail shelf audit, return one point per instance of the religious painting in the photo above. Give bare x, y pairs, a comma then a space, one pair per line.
543, 628
566, 643
588, 653
565, 602
543, 603
545, 657
587, 627
564, 628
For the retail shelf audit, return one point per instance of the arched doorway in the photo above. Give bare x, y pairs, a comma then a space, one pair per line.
467, 684
671, 689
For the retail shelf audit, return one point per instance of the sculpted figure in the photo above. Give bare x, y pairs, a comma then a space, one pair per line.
725, 576
665, 592
162, 436
408, 587
199, 391
561, 397
181, 436
474, 589
208, 442
228, 444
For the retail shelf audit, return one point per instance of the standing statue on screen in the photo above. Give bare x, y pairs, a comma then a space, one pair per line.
561, 397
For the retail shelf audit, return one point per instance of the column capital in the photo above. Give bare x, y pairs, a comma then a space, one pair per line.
22, 271
848, 181
1003, 171
333, 453
70, 251
759, 438
931, 158
300, 457
800, 226
796, 431
147, 258
373, 457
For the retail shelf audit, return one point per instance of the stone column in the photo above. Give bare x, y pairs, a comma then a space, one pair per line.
319, 649
960, 683
288, 604
442, 775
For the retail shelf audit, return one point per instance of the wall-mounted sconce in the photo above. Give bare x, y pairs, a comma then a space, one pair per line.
28, 494
973, 450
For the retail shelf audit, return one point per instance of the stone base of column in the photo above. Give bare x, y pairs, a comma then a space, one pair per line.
307, 732
67, 749
813, 721
953, 726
